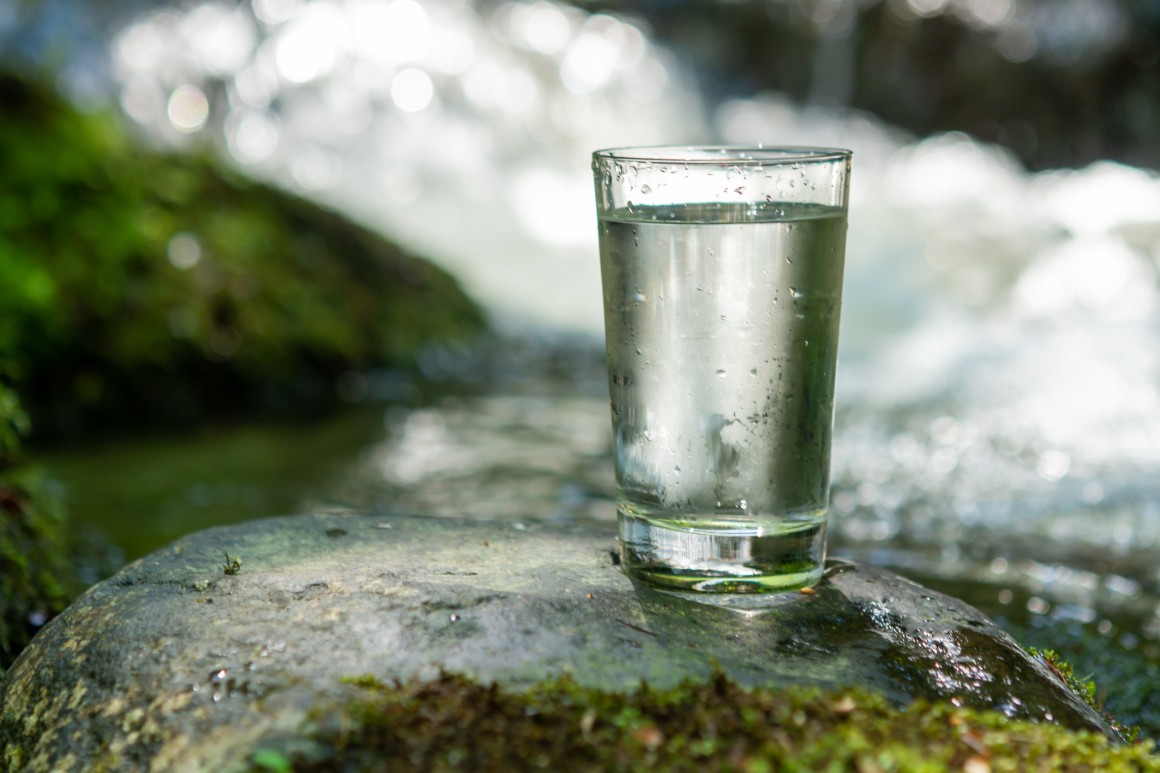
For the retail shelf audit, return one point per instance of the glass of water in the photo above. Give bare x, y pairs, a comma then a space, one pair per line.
722, 279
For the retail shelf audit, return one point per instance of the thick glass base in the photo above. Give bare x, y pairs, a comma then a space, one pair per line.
721, 556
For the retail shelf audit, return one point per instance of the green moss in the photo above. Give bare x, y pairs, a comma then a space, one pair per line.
137, 286
1127, 678
455, 723
1084, 688
36, 581
232, 565
44, 561
272, 761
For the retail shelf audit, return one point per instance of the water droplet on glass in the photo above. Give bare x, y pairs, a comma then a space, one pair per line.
720, 374
753, 371
646, 188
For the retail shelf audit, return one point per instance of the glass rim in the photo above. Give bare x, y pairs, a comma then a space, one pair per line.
733, 155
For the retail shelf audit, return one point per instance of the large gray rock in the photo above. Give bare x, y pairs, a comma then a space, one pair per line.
176, 665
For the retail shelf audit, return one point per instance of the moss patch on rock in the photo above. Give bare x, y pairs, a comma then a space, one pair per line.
1120, 682
138, 286
455, 723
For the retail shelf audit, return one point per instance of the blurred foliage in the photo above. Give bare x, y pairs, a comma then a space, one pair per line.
45, 562
137, 286
13, 423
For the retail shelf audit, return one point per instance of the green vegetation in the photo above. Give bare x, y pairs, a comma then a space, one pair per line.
232, 565
138, 287
1126, 683
44, 562
455, 723
1084, 688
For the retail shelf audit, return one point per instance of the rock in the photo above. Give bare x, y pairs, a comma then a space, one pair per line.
194, 657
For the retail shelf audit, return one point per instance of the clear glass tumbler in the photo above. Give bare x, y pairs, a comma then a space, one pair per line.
722, 278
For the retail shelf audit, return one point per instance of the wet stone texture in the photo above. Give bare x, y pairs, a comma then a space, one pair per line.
177, 664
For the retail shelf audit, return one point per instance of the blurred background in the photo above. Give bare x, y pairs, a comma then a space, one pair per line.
268, 256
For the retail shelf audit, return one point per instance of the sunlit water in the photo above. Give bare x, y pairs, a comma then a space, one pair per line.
998, 394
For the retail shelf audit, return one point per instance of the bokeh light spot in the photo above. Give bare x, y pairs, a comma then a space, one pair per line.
140, 47
412, 90
390, 33
312, 45
276, 11
188, 108
546, 29
252, 137
184, 250
222, 38
452, 51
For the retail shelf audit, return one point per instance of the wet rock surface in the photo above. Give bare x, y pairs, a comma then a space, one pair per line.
195, 656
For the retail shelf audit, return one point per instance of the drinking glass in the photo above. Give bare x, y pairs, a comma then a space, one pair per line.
722, 282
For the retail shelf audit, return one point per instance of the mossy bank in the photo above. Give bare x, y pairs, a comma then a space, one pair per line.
141, 287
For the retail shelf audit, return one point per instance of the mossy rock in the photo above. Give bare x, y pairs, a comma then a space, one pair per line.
138, 286
333, 640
